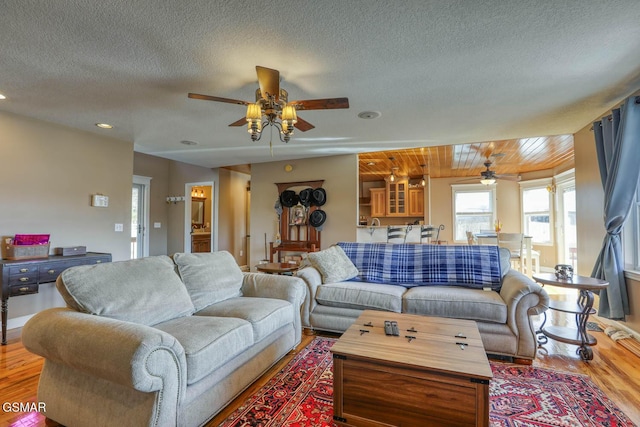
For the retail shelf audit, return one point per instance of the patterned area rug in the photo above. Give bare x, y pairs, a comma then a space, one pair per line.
301, 394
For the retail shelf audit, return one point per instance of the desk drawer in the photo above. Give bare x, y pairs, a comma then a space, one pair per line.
50, 272
21, 270
23, 279
31, 288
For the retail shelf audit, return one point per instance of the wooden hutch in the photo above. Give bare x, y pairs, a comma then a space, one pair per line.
295, 237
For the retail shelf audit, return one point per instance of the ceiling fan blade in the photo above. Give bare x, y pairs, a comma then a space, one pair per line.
217, 99
269, 81
303, 125
321, 104
240, 122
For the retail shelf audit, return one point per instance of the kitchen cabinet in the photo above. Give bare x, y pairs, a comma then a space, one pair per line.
397, 197
378, 202
416, 201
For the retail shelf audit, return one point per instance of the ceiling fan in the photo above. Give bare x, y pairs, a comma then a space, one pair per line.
273, 108
489, 177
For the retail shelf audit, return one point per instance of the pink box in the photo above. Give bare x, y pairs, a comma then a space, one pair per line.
30, 239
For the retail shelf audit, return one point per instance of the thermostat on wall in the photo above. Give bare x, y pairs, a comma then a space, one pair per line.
99, 201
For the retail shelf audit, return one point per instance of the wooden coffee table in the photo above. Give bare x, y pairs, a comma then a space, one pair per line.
435, 373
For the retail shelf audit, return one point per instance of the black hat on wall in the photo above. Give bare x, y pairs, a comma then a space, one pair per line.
289, 198
306, 197
318, 197
317, 218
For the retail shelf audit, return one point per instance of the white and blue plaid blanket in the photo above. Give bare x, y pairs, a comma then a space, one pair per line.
473, 266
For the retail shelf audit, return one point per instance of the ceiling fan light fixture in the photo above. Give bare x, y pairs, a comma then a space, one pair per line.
289, 119
487, 181
254, 120
254, 112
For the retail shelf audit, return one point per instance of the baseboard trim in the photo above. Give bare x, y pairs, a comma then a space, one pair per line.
18, 322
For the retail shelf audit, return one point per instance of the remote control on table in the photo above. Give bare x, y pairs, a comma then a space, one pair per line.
391, 328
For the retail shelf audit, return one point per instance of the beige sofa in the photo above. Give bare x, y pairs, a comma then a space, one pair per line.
160, 341
503, 308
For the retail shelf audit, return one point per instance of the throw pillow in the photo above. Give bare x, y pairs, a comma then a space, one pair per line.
146, 291
333, 264
210, 277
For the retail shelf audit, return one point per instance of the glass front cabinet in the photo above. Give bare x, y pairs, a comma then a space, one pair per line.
397, 199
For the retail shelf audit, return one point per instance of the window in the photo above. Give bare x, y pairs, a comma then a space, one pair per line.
473, 208
536, 211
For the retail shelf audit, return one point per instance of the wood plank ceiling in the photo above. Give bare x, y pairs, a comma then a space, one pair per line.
513, 156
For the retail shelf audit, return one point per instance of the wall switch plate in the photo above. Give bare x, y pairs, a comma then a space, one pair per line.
157, 225
119, 227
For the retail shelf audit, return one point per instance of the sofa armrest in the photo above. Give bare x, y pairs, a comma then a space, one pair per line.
287, 288
313, 279
524, 298
137, 356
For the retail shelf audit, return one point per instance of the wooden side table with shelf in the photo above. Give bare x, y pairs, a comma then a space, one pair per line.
582, 309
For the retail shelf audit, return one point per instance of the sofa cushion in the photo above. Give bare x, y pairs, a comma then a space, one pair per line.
455, 302
333, 264
361, 296
209, 277
208, 342
411, 265
266, 315
146, 290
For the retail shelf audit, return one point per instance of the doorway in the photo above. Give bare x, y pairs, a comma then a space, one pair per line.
140, 216
199, 225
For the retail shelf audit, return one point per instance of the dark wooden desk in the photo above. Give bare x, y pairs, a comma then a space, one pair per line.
277, 268
581, 309
23, 277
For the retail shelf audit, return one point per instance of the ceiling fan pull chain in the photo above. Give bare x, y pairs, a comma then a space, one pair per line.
271, 140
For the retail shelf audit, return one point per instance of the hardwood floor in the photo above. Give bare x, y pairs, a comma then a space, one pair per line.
613, 368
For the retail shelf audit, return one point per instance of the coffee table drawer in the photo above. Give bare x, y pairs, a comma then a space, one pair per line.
378, 395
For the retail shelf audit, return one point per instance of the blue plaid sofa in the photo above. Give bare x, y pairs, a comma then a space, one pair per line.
456, 281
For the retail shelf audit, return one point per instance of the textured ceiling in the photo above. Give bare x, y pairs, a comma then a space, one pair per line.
440, 72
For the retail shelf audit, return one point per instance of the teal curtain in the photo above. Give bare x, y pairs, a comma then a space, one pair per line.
618, 147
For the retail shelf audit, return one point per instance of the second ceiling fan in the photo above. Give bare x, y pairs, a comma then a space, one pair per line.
489, 176
273, 108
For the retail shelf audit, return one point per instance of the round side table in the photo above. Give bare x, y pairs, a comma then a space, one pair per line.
277, 268
582, 308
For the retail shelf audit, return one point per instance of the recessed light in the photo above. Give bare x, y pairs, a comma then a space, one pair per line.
2, 96
104, 125
371, 164
370, 114
187, 142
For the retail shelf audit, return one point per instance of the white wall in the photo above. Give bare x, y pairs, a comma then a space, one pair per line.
48, 173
